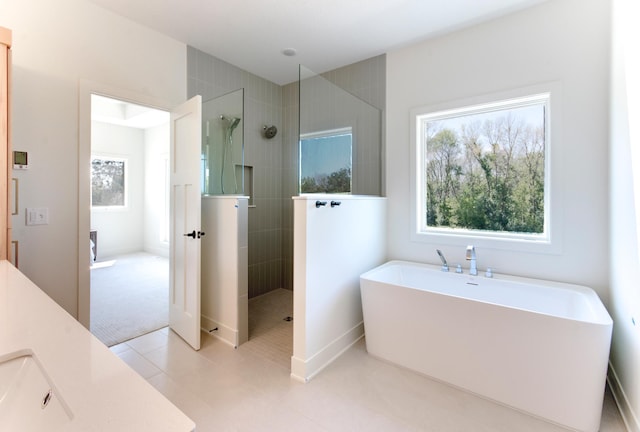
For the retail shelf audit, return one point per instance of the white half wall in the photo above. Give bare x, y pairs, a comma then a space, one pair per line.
332, 247
224, 268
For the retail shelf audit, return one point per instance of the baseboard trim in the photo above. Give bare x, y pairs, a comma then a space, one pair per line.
626, 411
159, 251
223, 332
303, 370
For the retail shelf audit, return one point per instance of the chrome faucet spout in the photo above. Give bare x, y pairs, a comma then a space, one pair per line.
471, 257
445, 266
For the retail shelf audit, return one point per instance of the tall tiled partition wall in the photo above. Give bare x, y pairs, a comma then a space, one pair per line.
275, 161
212, 77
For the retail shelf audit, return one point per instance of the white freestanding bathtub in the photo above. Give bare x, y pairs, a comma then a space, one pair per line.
538, 346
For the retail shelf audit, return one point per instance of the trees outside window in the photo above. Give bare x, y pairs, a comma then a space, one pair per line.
108, 187
483, 168
325, 161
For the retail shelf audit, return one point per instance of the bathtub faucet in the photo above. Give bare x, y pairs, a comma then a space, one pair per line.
471, 256
445, 266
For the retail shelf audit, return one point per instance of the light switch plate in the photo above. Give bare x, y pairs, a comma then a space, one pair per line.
38, 216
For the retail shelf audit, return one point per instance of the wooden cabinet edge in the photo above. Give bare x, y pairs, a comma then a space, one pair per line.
5, 144
5, 37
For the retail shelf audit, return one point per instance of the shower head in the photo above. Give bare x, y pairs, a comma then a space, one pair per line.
233, 122
270, 131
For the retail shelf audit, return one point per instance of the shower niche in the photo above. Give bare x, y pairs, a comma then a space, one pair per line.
222, 156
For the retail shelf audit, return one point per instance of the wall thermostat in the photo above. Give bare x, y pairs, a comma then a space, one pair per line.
20, 160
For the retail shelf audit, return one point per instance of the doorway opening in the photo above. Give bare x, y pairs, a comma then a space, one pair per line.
129, 219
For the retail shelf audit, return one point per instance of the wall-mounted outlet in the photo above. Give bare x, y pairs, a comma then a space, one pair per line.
37, 216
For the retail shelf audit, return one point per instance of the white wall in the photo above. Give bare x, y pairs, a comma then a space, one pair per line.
156, 195
332, 247
120, 230
624, 375
57, 46
138, 226
565, 41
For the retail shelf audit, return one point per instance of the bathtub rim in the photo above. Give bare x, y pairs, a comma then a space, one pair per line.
600, 313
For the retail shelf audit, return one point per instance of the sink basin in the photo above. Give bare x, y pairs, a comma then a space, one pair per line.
28, 398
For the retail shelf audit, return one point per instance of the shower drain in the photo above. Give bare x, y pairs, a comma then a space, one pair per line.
287, 318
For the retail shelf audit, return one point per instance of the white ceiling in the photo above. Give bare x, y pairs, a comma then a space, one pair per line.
251, 34
107, 110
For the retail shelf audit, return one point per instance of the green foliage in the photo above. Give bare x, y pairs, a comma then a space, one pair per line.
336, 182
496, 185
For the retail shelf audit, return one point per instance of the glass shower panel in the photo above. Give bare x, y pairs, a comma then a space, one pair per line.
222, 156
329, 113
325, 161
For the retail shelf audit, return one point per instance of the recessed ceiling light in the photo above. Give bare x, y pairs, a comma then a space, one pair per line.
289, 52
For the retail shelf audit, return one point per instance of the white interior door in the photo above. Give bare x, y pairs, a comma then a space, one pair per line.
184, 285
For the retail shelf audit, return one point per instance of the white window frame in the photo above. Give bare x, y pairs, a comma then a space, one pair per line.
126, 184
550, 240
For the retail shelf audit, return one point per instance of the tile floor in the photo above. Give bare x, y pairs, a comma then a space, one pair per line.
249, 389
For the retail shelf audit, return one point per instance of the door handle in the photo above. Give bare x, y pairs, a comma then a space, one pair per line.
193, 234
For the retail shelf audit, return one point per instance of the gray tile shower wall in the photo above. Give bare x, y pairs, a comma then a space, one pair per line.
275, 161
212, 77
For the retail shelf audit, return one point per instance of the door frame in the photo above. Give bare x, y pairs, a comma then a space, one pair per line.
86, 89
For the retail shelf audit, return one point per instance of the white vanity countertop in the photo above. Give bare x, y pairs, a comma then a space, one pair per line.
102, 392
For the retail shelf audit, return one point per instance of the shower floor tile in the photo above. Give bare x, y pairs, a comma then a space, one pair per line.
270, 333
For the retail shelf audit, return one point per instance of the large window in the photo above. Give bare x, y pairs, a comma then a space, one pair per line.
108, 182
482, 170
325, 161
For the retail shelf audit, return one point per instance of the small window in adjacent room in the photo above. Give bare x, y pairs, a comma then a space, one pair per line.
483, 170
108, 182
325, 161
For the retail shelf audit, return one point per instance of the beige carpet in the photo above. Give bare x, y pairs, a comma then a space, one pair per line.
129, 296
